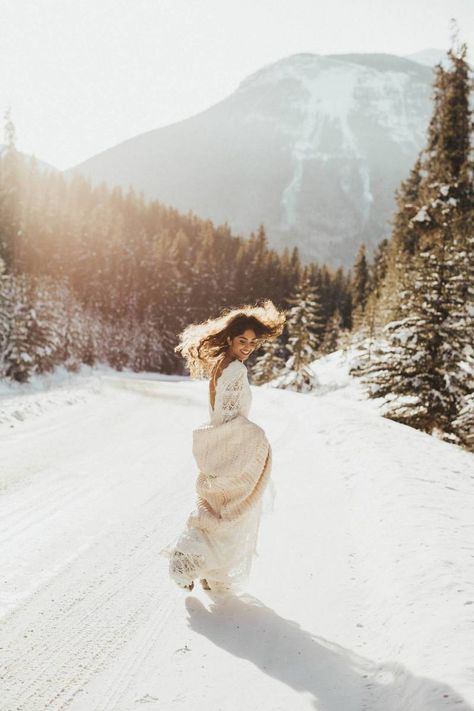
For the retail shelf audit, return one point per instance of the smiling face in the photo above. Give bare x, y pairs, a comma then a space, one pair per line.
243, 345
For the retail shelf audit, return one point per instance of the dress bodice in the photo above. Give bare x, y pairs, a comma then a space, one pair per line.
232, 396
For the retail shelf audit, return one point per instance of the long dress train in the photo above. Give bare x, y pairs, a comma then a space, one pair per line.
234, 460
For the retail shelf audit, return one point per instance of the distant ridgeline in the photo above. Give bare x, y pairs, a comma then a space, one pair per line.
95, 275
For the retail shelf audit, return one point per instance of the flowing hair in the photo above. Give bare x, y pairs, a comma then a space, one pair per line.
202, 344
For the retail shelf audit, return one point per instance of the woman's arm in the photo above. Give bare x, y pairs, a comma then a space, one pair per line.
232, 394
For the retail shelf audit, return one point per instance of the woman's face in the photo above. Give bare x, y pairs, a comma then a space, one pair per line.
243, 345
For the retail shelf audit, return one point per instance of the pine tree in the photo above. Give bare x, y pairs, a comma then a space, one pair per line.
6, 313
463, 425
378, 267
332, 334
461, 323
153, 351
404, 369
360, 284
269, 364
407, 198
362, 317
18, 363
75, 333
46, 334
304, 326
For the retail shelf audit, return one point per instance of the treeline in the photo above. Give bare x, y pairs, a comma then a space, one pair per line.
92, 274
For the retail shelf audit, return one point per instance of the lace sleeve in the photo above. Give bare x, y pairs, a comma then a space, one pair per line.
232, 395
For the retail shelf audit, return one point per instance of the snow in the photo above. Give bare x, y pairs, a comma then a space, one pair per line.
421, 216
328, 96
22, 401
333, 92
362, 596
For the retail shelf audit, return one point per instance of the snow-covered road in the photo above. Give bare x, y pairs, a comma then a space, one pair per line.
362, 598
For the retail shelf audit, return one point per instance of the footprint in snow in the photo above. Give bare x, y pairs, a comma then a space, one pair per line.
147, 699
182, 650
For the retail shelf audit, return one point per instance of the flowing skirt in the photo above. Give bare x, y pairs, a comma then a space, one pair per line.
219, 539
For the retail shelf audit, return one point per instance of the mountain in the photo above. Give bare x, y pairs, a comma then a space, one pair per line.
429, 57
312, 146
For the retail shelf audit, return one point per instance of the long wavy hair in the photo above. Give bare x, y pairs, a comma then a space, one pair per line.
202, 344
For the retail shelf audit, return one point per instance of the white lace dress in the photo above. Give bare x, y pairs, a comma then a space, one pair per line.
234, 459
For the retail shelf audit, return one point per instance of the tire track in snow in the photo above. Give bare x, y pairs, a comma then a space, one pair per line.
96, 602
82, 632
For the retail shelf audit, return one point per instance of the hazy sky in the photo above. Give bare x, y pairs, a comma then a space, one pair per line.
83, 75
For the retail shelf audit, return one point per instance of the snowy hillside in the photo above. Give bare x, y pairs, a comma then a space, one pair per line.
361, 599
312, 146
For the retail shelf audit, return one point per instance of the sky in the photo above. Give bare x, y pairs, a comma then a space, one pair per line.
83, 75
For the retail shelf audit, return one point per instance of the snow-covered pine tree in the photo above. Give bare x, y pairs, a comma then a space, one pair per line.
364, 305
422, 366
151, 351
117, 343
461, 322
445, 220
269, 364
402, 368
332, 334
92, 347
386, 272
463, 425
166, 312
360, 284
381, 272
305, 329
6, 312
76, 336
18, 363
407, 198
30, 326
47, 325
378, 267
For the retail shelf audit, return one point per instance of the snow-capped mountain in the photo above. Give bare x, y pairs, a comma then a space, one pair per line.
312, 146
430, 56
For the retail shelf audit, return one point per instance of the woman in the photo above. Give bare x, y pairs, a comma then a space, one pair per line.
232, 453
